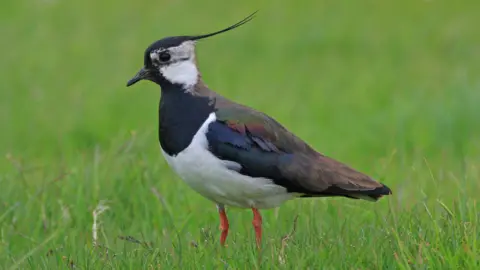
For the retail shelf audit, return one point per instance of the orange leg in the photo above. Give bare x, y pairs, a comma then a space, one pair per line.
257, 225
223, 224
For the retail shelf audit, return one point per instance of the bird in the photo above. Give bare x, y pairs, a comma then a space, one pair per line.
230, 153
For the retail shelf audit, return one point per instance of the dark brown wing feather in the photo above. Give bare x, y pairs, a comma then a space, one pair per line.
324, 176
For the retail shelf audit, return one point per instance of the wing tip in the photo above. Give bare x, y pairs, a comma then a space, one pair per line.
379, 192
372, 195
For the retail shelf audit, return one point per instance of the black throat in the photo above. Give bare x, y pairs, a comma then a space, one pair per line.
181, 114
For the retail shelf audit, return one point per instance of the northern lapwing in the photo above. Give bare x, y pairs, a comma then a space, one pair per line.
230, 153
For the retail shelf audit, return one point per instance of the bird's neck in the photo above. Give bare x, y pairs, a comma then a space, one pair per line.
181, 113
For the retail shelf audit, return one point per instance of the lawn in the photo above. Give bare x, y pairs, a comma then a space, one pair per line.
391, 88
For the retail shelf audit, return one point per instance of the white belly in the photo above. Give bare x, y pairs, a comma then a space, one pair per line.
210, 177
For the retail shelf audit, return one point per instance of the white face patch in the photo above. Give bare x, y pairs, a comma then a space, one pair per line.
181, 68
183, 72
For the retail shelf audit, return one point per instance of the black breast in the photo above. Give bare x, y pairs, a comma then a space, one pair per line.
181, 114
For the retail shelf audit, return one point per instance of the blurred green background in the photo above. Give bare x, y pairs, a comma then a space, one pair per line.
389, 87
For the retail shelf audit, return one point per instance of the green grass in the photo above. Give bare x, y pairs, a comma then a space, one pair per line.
391, 88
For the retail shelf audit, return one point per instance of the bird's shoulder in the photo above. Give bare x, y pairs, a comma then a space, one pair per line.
258, 126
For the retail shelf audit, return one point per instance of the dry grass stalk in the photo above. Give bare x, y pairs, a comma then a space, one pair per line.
100, 209
281, 256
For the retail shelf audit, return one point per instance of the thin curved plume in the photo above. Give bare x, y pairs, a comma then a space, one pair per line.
242, 22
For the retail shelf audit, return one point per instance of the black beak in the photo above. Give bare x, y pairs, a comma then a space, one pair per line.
141, 75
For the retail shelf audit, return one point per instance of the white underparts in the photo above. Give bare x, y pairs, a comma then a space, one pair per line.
219, 181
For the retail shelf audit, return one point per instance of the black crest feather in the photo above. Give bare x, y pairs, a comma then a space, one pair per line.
240, 23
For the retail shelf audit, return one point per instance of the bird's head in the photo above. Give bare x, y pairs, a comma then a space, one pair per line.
172, 59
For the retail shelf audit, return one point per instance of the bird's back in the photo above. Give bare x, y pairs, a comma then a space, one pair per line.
272, 151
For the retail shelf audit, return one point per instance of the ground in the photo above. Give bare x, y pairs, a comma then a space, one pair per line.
391, 88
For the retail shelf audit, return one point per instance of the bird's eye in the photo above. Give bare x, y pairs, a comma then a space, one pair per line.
164, 56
